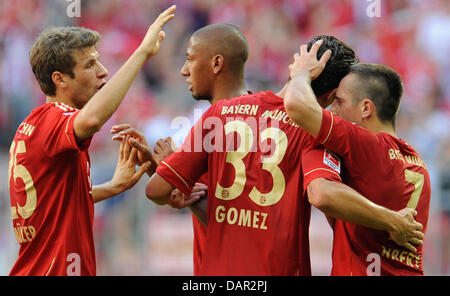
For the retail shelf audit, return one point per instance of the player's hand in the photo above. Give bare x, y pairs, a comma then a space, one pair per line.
137, 140
155, 35
125, 175
306, 63
163, 148
409, 232
179, 200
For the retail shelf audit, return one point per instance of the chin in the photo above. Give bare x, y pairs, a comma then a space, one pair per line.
83, 102
199, 97
80, 105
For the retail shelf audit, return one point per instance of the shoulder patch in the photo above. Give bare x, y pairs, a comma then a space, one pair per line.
332, 160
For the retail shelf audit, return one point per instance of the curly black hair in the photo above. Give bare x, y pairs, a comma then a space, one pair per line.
338, 66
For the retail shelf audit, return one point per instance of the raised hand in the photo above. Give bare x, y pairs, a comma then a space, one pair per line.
409, 231
155, 35
306, 63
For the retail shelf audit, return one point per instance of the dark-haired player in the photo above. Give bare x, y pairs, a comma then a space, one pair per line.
259, 164
379, 165
50, 187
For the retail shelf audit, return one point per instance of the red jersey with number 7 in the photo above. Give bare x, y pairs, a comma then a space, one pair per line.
259, 163
390, 173
50, 190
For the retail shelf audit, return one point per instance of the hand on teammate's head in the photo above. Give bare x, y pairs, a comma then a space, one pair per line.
306, 63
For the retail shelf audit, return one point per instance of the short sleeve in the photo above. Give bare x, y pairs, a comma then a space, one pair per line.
354, 144
184, 167
57, 133
319, 162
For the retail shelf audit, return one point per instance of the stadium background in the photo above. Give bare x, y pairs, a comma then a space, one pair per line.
135, 237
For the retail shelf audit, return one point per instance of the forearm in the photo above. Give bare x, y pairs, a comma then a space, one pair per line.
105, 191
103, 104
344, 203
106, 101
199, 209
356, 209
160, 200
158, 190
301, 104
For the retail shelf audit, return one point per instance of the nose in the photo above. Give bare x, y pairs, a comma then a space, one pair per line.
102, 72
184, 71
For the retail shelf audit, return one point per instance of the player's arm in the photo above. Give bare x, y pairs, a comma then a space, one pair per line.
165, 193
162, 192
196, 202
159, 190
300, 102
125, 175
200, 208
105, 102
342, 202
164, 148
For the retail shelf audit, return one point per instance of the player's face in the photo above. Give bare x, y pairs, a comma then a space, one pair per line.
197, 71
343, 104
89, 77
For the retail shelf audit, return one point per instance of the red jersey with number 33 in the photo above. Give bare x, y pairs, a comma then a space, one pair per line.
50, 190
259, 163
390, 173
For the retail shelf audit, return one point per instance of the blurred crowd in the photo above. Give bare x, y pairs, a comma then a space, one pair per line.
135, 237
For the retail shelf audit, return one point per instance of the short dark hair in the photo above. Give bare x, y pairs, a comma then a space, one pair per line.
52, 51
337, 67
227, 40
382, 85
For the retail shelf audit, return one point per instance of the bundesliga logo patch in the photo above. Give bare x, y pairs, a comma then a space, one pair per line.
331, 160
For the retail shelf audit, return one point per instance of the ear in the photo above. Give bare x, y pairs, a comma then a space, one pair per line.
217, 64
59, 79
368, 109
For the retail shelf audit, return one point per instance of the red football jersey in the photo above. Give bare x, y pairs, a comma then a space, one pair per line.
258, 214
199, 232
390, 173
50, 191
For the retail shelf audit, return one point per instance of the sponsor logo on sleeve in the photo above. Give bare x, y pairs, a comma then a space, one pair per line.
331, 160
